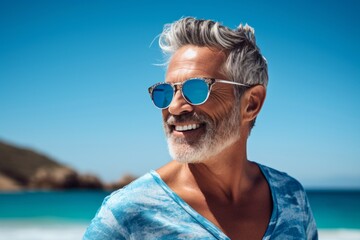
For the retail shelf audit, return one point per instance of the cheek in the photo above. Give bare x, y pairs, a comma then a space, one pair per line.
219, 104
165, 114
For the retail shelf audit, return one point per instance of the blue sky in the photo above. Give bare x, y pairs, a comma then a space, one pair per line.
74, 78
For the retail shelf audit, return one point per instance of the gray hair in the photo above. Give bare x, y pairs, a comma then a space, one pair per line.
245, 63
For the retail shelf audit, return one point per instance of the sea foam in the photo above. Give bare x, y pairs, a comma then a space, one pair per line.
339, 234
42, 231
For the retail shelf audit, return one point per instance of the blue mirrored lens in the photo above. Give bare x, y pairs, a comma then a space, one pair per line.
195, 91
162, 95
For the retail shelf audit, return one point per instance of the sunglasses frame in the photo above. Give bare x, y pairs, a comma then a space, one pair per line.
178, 85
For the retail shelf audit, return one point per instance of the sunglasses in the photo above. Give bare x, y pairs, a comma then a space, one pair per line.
195, 91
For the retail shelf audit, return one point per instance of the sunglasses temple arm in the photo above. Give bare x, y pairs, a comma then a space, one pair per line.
231, 82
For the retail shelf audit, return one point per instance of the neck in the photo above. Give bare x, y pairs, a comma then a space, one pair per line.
226, 175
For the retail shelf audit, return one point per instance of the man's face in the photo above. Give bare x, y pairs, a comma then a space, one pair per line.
196, 133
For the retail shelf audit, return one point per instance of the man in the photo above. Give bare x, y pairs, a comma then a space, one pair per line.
214, 89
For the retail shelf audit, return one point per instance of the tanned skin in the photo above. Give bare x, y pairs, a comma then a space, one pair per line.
227, 189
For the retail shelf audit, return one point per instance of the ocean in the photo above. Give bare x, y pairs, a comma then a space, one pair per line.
64, 215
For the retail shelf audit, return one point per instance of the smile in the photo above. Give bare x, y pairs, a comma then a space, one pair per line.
188, 127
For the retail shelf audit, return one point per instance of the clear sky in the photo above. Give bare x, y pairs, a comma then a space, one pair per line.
74, 78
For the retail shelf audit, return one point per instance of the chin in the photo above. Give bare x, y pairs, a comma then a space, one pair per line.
198, 153
184, 153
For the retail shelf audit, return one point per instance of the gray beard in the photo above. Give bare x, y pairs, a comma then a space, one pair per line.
217, 136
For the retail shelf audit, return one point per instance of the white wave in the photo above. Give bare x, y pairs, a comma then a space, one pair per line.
42, 231
339, 234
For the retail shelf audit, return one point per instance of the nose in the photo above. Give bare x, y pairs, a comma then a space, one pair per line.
179, 105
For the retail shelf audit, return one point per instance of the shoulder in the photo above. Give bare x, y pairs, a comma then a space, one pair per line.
122, 208
140, 191
289, 196
292, 215
280, 181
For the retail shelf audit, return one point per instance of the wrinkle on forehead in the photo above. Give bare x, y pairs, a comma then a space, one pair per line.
192, 61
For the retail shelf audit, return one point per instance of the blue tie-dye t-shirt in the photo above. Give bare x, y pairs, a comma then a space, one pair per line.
148, 209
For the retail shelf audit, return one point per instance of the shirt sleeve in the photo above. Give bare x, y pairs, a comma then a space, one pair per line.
311, 229
105, 226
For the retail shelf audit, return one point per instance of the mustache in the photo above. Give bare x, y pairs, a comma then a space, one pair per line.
187, 117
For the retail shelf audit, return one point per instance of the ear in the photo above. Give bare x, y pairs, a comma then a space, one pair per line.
251, 103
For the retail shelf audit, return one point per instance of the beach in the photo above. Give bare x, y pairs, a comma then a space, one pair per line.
74, 231
65, 215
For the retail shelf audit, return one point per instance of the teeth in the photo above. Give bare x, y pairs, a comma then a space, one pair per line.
187, 127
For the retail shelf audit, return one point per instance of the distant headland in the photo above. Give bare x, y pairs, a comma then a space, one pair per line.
24, 169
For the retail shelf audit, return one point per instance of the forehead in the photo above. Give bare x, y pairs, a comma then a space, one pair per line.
192, 61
